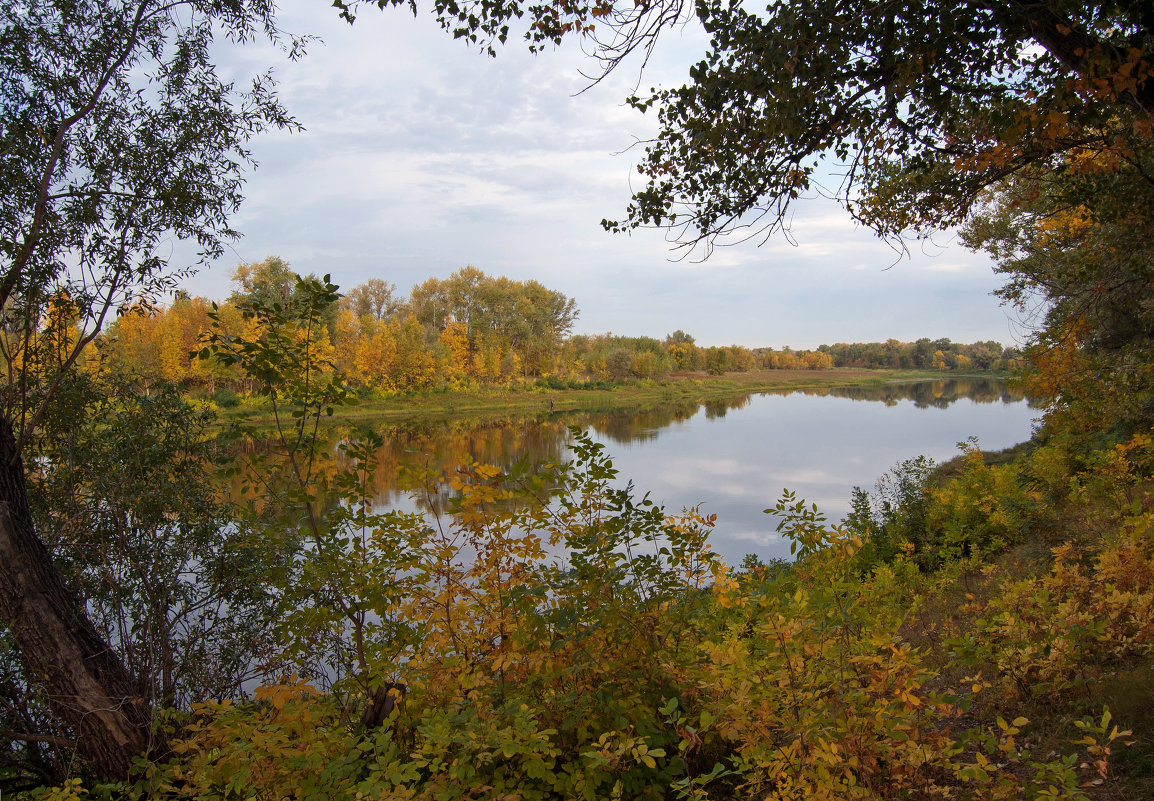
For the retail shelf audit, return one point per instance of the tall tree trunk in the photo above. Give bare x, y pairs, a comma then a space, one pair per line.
82, 680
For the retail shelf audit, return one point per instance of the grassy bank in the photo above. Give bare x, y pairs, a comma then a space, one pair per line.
531, 399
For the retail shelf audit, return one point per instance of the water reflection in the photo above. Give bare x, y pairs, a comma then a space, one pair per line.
734, 455
636, 426
937, 394
633, 426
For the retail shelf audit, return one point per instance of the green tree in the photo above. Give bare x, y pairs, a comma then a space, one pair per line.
135, 518
916, 108
523, 317
376, 298
273, 281
718, 360
541, 317
118, 137
269, 281
619, 364
1074, 240
342, 569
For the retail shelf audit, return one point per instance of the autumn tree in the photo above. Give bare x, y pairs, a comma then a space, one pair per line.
816, 360
118, 138
1074, 241
455, 341
415, 366
683, 351
905, 113
130, 346
181, 327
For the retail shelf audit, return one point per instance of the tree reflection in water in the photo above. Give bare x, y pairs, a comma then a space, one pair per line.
418, 460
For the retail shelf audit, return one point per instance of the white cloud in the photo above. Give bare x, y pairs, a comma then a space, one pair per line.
422, 155
947, 267
755, 537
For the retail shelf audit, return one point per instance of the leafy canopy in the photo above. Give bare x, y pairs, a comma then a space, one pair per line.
913, 109
118, 136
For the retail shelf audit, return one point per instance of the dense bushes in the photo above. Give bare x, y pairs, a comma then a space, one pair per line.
651, 671
958, 637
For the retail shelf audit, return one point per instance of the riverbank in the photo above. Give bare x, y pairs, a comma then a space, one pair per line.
532, 399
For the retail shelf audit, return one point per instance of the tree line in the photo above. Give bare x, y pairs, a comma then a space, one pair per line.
467, 329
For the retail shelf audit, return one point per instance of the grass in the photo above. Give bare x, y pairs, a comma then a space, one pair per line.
530, 399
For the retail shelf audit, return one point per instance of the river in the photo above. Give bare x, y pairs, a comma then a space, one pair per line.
733, 457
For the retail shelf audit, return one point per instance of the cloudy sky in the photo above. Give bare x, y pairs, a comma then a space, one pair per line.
421, 156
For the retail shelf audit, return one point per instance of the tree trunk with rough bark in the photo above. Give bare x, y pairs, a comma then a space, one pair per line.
81, 678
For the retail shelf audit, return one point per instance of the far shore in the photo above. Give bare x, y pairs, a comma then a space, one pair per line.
532, 399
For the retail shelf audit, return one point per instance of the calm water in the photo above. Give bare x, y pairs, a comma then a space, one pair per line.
734, 458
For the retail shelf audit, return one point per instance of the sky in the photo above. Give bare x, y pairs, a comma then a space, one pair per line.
421, 155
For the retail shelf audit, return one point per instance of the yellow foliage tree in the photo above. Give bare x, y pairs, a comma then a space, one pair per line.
455, 339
